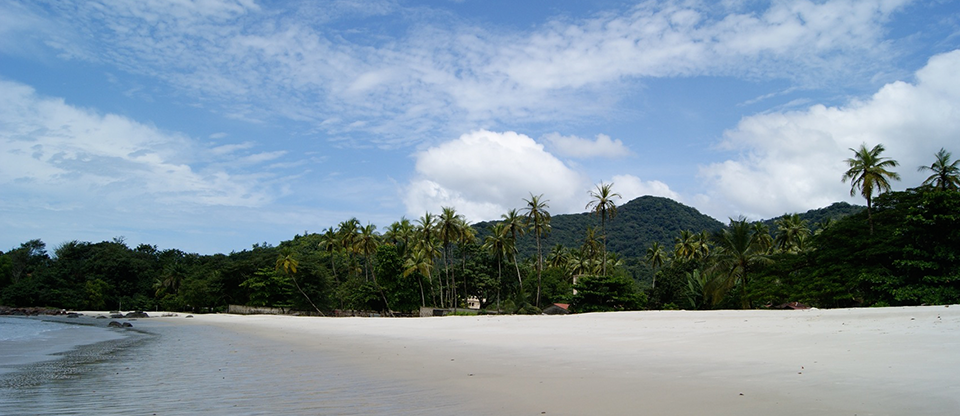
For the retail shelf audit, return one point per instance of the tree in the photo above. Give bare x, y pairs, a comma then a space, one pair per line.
420, 261
449, 230
603, 205
498, 245
538, 220
946, 174
515, 227
685, 246
607, 293
869, 172
738, 251
288, 263
792, 231
655, 257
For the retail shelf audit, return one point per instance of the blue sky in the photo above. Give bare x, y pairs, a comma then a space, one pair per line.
212, 125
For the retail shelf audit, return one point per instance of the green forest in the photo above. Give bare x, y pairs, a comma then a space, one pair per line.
902, 248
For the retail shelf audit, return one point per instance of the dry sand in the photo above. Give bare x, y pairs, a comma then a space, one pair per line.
882, 361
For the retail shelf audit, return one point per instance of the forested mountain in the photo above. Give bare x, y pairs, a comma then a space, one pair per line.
834, 212
646, 219
637, 224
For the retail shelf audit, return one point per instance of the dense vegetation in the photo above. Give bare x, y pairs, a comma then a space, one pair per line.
904, 249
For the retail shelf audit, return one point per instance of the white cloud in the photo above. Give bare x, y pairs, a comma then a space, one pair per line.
631, 187
254, 63
793, 161
573, 146
61, 154
483, 174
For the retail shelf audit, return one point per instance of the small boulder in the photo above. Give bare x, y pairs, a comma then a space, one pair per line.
137, 314
115, 324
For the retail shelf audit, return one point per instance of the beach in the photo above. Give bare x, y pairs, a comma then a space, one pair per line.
878, 361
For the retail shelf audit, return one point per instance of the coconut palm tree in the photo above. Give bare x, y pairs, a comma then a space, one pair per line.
515, 226
737, 253
655, 257
400, 234
685, 246
288, 264
603, 205
791, 233
498, 245
448, 230
761, 232
538, 220
946, 174
869, 172
701, 245
468, 236
420, 261
558, 257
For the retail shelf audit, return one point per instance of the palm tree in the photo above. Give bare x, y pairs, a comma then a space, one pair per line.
558, 257
514, 224
603, 205
400, 233
468, 236
420, 261
656, 257
738, 251
701, 245
347, 233
868, 172
685, 246
448, 229
498, 245
288, 263
761, 232
791, 233
426, 242
538, 220
946, 174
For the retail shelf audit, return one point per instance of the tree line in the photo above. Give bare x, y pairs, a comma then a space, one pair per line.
902, 250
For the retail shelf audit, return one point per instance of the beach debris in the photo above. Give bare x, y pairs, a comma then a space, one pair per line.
741, 393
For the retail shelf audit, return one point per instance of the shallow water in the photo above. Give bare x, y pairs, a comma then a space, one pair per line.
172, 369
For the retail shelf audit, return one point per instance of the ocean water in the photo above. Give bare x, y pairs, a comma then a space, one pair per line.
164, 368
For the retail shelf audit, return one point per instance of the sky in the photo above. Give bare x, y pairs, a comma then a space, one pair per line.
212, 125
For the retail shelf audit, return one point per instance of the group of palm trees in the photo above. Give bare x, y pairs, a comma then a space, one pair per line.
427, 247
730, 255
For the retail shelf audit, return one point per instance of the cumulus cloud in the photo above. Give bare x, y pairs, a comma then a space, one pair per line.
631, 187
793, 161
483, 174
573, 146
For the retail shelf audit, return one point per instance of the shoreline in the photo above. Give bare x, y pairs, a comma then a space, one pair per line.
877, 361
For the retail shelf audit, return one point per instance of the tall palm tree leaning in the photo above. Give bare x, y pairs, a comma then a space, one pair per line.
538, 220
288, 263
868, 172
946, 174
514, 224
603, 205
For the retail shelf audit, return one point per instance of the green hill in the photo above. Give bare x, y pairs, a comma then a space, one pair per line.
637, 224
642, 221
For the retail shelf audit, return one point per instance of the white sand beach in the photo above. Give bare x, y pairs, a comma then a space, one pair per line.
880, 361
